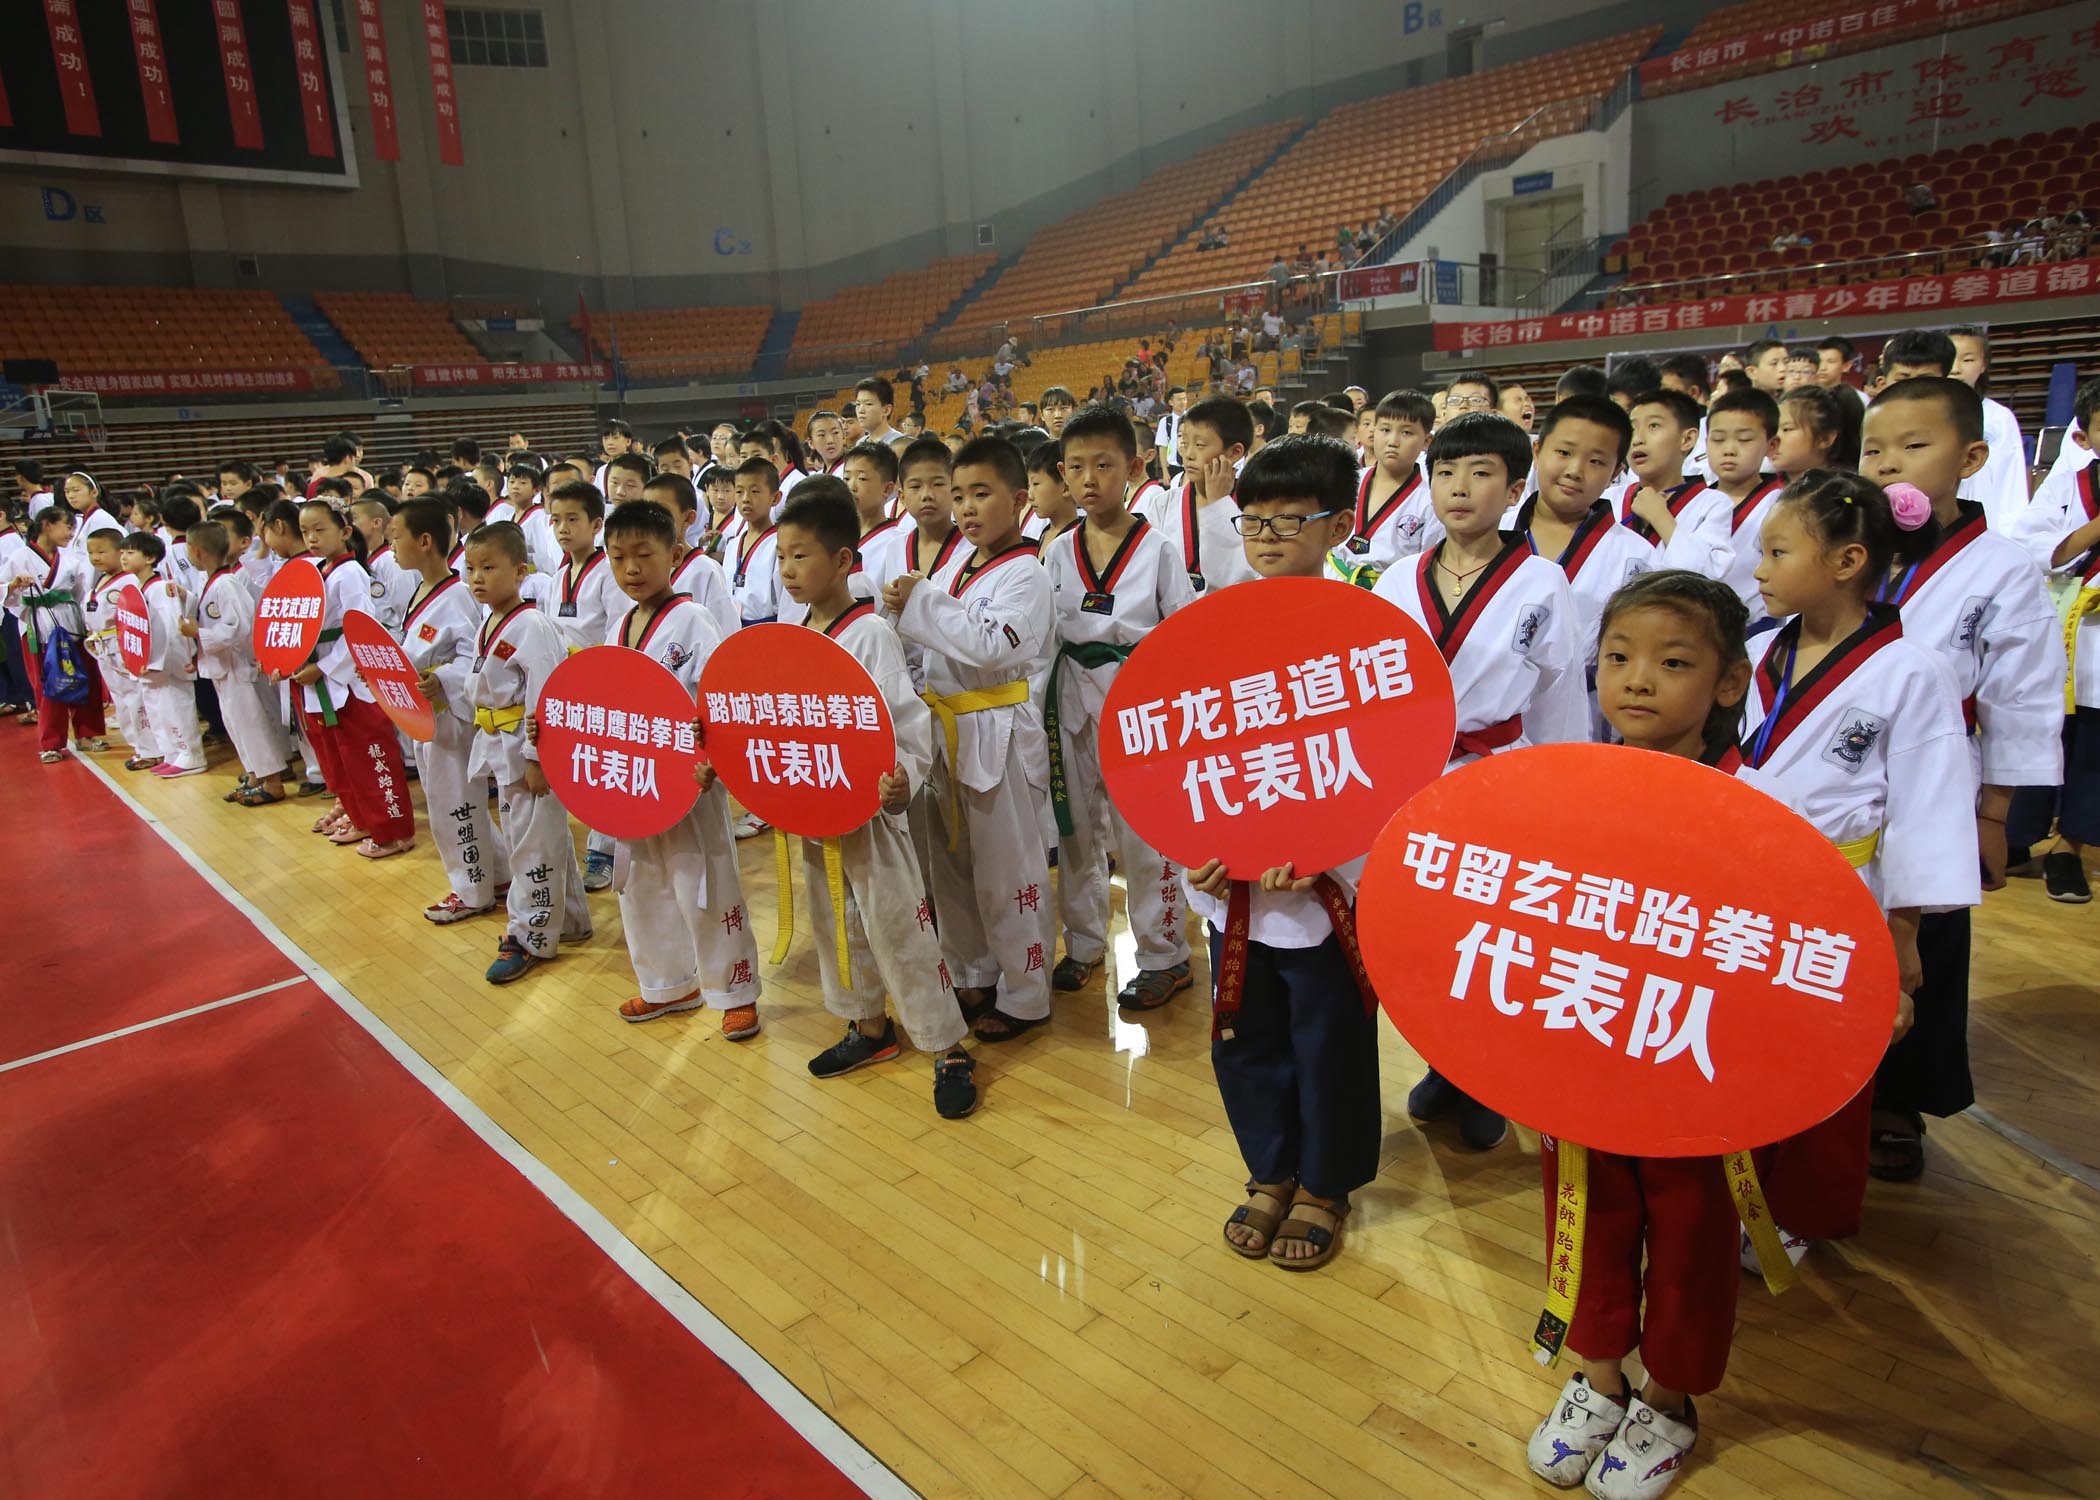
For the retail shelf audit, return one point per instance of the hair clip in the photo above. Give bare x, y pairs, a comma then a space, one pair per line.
1909, 505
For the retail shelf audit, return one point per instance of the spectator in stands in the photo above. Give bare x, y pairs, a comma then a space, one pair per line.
1919, 198
1243, 381
2073, 230
1279, 279
873, 400
1345, 242
2034, 238
1765, 359
1386, 224
1790, 236
1271, 329
1208, 240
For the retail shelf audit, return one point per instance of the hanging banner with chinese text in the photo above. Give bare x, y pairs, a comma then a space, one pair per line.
379, 80
76, 89
616, 742
313, 87
1706, 977
444, 100
1279, 727
239, 68
152, 57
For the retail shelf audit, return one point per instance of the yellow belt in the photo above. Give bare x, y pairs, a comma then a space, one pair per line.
947, 709
499, 720
1858, 852
2087, 603
784, 889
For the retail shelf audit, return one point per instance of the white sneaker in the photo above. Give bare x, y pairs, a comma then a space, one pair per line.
1582, 1421
1795, 1246
1646, 1454
750, 826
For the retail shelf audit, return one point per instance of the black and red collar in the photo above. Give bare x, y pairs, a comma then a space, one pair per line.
1789, 703
1104, 582
1451, 626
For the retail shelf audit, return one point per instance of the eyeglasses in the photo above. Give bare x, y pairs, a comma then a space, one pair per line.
1285, 527
1480, 402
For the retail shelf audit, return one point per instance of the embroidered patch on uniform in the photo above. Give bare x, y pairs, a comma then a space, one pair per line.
1634, 569
676, 655
1969, 621
505, 650
211, 611
378, 589
1857, 735
1410, 526
427, 633
1530, 622
1013, 637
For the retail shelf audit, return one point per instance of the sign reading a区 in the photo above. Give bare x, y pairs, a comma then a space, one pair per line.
1275, 726
1608, 979
288, 618
617, 743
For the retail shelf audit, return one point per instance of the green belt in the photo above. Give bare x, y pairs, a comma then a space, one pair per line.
321, 682
51, 600
1087, 654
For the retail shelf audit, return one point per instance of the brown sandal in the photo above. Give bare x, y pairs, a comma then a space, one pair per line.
1260, 1220
1324, 1240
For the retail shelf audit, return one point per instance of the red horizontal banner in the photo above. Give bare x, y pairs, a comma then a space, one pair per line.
1397, 280
163, 382
1805, 41
2068, 278
508, 374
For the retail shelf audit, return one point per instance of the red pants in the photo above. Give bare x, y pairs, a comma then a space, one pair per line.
1816, 1182
362, 761
56, 720
1679, 1211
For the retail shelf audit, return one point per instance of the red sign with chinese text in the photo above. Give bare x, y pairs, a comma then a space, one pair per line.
163, 382
134, 628
76, 89
385, 668
616, 742
313, 88
443, 96
797, 729
1807, 40
1401, 278
526, 374
379, 80
1594, 976
1227, 737
2066, 278
152, 57
239, 67
288, 618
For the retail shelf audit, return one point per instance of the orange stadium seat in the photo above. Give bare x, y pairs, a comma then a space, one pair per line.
683, 342
876, 320
96, 330
393, 328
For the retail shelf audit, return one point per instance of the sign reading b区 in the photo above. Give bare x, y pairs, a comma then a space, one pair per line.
1275, 727
288, 618
617, 743
134, 628
385, 668
1603, 979
797, 729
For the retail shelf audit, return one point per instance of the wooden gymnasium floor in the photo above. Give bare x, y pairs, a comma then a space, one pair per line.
1036, 1302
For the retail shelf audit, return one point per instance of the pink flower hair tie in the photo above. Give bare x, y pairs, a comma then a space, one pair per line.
1910, 505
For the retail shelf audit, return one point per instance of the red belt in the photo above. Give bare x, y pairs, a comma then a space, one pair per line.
1489, 737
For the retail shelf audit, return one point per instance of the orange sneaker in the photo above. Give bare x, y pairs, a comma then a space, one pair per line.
740, 1023
639, 1009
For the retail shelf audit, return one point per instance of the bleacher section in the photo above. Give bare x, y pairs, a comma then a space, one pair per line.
393, 328
1390, 152
1079, 261
884, 315
96, 329
682, 342
1755, 18
1853, 213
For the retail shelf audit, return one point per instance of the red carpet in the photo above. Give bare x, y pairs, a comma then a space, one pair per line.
247, 1253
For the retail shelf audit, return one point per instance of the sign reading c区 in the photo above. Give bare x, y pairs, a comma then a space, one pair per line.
1707, 977
1275, 726
617, 743
385, 668
288, 618
806, 756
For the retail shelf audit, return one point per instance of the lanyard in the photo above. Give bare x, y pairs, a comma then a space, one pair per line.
1764, 730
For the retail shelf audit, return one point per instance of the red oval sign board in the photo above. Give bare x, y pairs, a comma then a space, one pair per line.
797, 729
617, 742
288, 618
1706, 977
1275, 726
134, 629
385, 668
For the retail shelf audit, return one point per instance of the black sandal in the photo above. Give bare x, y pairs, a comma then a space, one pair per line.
1906, 1146
1010, 1026
976, 1000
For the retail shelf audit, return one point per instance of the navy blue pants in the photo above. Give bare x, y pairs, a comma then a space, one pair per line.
14, 668
1928, 1071
1300, 1075
2074, 807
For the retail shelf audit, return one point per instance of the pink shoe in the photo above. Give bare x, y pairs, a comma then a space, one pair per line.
167, 770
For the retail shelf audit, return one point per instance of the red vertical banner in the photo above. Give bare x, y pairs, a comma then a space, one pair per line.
153, 72
379, 82
7, 111
240, 74
75, 88
313, 86
443, 99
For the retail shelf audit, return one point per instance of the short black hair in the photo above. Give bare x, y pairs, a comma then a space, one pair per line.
1043, 458
881, 455
2085, 406
29, 469
1267, 424
145, 542
1689, 368
1224, 416
684, 499
338, 450
884, 393
1919, 346
179, 508
1329, 422
332, 488
1757, 349
466, 452
1601, 410
1581, 380
427, 516
1750, 399
670, 445
1408, 406
1057, 395
1475, 377
1098, 421
1483, 434
1844, 347
613, 426
466, 495
761, 468
1683, 410
823, 506
1963, 406
239, 468
642, 519
1633, 376
505, 536
1835, 420
527, 472
996, 453
1300, 466
926, 450
583, 493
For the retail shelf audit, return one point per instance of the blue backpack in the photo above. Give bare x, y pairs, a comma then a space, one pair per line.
64, 667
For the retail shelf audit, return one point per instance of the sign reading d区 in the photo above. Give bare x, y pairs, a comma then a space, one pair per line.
797, 729
1273, 726
288, 618
617, 743
134, 628
1704, 978
385, 668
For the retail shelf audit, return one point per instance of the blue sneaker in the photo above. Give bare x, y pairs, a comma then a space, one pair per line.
597, 871
512, 960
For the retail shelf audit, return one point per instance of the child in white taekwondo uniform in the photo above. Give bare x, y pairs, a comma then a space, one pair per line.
391, 583
1504, 620
127, 695
581, 596
754, 569
986, 625
516, 650
167, 688
1394, 517
1112, 579
870, 474
440, 626
697, 576
889, 942
1858, 729
1686, 520
223, 626
1978, 603
1568, 519
1196, 516
682, 905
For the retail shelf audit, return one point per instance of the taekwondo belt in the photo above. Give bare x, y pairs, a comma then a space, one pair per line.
1087, 654
499, 720
948, 708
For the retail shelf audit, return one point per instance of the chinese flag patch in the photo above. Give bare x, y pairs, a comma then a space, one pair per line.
505, 651
428, 633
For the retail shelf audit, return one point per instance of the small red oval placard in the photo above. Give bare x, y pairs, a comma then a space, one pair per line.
385, 668
288, 618
616, 742
134, 629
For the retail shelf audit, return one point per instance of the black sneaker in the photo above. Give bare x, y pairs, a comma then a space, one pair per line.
1433, 1098
954, 1084
1070, 974
2063, 876
854, 1050
1478, 1126
312, 789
